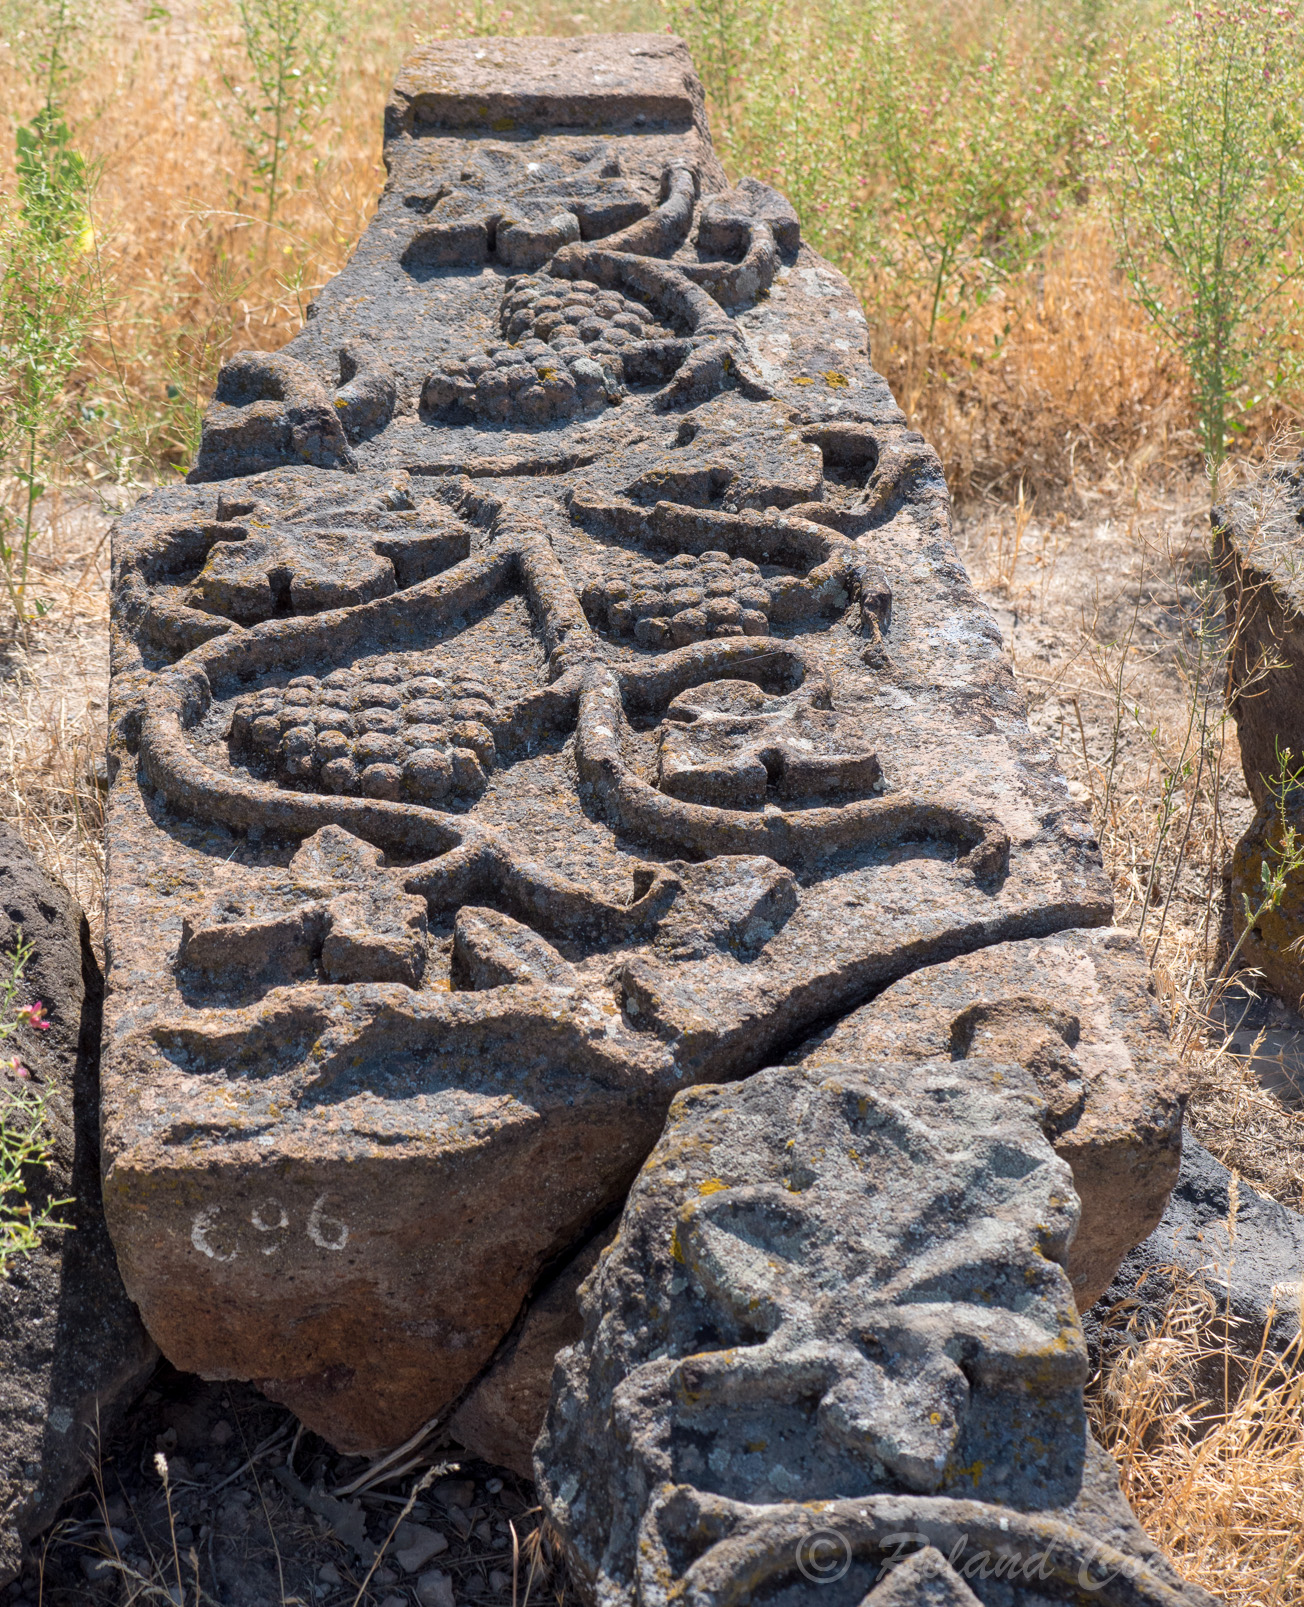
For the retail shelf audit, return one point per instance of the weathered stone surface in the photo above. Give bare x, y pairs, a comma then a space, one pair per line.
836, 1285
503, 1415
1075, 1010
1270, 944
1246, 1250
73, 1351
612, 714
1259, 549
834, 1328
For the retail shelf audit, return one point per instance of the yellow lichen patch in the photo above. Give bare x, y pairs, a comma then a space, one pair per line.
713, 1185
802, 379
836, 381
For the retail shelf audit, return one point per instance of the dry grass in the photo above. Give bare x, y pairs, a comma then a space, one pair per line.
1218, 1483
54, 702
1116, 630
1057, 380
189, 271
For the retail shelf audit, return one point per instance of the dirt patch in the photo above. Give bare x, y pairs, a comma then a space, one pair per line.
1112, 615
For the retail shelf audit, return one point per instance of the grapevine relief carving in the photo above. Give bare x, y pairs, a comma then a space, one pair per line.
539, 699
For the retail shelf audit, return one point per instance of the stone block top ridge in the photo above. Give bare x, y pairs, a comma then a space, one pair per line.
524, 86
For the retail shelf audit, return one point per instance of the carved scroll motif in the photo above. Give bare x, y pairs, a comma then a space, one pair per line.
555, 686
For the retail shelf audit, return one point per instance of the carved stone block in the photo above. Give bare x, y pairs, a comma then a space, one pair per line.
602, 710
833, 1344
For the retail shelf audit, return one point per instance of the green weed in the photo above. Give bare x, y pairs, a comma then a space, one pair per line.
276, 102
46, 299
1204, 171
25, 1142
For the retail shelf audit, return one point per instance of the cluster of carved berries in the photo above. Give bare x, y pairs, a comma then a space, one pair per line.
561, 355
574, 314
528, 384
688, 599
381, 733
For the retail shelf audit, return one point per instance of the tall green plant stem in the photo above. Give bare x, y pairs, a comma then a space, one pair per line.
290, 55
1203, 144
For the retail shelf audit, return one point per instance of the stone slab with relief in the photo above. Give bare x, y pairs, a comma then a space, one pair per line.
554, 686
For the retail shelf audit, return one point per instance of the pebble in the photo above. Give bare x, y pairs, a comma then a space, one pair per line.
415, 1545
455, 1492
435, 1589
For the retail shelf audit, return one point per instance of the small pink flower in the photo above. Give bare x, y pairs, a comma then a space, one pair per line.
16, 1066
34, 1015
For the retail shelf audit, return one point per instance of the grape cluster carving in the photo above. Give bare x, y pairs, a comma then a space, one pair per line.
560, 355
380, 733
689, 599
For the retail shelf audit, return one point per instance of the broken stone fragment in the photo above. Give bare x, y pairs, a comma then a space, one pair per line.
836, 1314
502, 1417
73, 1351
1075, 1010
269, 409
1259, 549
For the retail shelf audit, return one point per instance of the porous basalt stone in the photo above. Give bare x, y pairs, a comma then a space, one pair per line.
432, 882
1259, 549
1242, 1249
1272, 945
73, 1352
1074, 1009
503, 1415
835, 1328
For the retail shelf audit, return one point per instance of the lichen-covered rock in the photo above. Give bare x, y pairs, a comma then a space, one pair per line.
1244, 1250
1259, 548
835, 1328
1272, 945
436, 871
72, 1349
